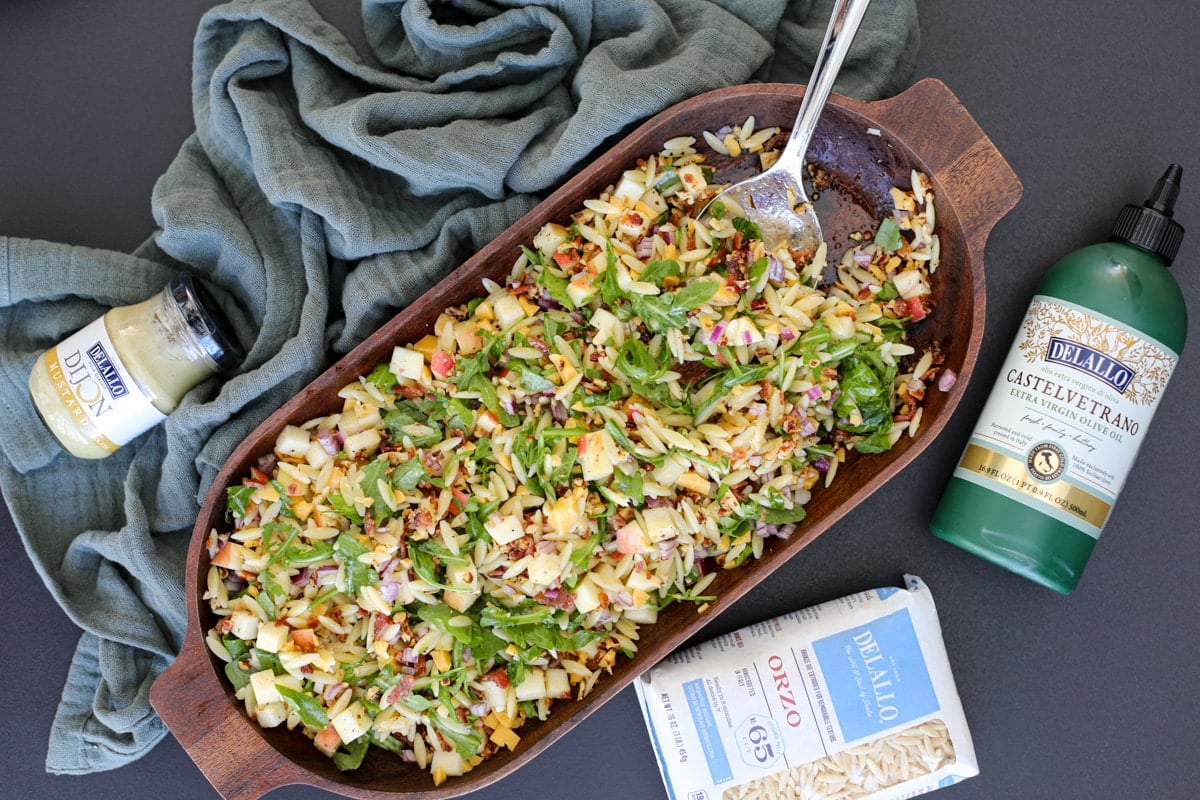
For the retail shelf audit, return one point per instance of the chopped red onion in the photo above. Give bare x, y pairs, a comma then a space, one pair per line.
775, 271
787, 334
645, 247
389, 591
328, 441
947, 380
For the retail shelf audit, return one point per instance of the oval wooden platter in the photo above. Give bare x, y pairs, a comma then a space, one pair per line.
867, 148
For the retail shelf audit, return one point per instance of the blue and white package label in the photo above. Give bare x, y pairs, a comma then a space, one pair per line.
781, 699
877, 676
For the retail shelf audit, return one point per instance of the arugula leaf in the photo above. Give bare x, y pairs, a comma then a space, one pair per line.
532, 381
642, 369
357, 573
311, 712
408, 474
668, 311
467, 740
555, 285
863, 389
536, 257
656, 271
748, 228
237, 648
610, 290
237, 676
630, 485
344, 508
374, 474
237, 498
714, 390
383, 378
350, 756
887, 235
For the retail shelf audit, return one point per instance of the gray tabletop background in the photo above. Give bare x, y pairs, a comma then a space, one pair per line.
1089, 696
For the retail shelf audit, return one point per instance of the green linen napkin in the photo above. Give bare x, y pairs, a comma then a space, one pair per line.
323, 190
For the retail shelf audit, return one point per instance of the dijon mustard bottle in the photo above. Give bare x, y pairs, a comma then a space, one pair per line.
1063, 423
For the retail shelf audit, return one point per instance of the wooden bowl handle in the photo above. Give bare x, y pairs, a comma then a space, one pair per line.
964, 163
234, 758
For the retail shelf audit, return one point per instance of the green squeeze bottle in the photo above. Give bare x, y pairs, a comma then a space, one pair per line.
1071, 405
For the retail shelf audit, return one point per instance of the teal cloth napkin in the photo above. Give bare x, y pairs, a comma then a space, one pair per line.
322, 191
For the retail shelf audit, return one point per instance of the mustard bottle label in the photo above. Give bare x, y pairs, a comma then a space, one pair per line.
1071, 406
96, 388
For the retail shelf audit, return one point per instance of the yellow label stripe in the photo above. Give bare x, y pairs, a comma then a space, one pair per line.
1011, 472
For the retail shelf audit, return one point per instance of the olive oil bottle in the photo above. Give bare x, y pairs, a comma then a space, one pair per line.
1073, 400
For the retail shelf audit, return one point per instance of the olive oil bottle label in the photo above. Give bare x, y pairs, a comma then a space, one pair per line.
1067, 415
95, 386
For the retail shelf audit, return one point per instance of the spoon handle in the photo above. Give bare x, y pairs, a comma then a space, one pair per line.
843, 24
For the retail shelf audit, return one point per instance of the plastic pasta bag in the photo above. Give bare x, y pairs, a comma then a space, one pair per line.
845, 700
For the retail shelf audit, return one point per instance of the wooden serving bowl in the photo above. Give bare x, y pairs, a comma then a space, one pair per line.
867, 147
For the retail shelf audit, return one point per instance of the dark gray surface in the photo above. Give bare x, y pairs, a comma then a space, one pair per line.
1084, 696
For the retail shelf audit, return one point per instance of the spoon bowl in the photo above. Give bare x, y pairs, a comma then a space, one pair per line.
775, 199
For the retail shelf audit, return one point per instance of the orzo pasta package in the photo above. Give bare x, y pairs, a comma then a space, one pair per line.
849, 699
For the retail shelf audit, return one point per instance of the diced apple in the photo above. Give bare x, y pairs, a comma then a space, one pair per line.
316, 456
441, 363
465, 587
231, 556
596, 451
628, 190
508, 309
407, 363
271, 636
352, 722
544, 568
504, 528
643, 615
580, 289
910, 284
263, 684
292, 441
550, 237
495, 695
631, 539
587, 595
841, 327
466, 335
633, 224
271, 715
244, 625
640, 580
364, 442
660, 525
605, 323
566, 512
327, 741
446, 763
558, 683
741, 331
305, 639
533, 687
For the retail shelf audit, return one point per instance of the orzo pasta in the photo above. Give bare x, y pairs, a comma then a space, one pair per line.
489, 518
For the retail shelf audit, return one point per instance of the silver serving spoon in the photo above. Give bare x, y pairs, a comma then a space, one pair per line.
775, 199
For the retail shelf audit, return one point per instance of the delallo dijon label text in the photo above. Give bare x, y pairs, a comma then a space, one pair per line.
1064, 422
97, 390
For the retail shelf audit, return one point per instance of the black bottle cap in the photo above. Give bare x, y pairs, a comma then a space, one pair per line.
210, 328
1149, 226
